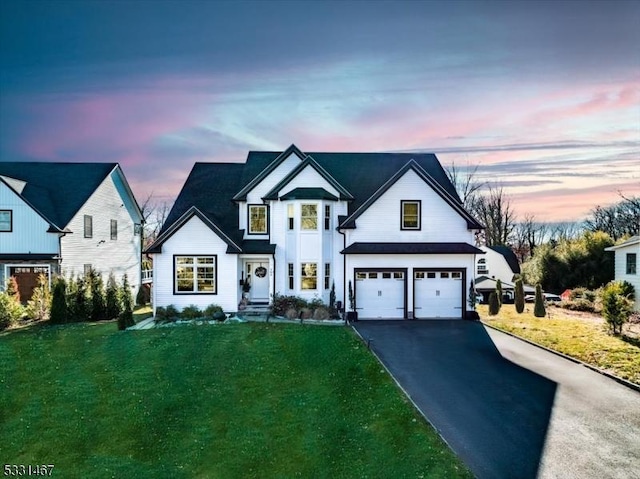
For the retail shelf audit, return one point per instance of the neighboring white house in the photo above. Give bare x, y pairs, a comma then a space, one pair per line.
64, 218
626, 264
294, 223
498, 263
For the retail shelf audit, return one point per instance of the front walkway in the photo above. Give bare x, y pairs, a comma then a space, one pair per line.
510, 409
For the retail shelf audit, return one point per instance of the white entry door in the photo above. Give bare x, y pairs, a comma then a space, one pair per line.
380, 294
437, 294
257, 273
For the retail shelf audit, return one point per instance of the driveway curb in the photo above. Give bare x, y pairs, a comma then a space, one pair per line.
617, 379
404, 391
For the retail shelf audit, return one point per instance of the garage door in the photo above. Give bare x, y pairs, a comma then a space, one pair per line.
437, 294
380, 294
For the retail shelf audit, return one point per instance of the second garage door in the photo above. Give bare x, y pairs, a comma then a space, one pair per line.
437, 294
380, 294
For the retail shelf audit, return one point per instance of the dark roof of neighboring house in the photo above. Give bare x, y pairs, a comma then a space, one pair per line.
57, 190
509, 256
211, 187
411, 248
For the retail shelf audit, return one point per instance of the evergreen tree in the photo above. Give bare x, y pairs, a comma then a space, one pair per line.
39, 306
499, 291
12, 289
539, 310
519, 296
112, 300
81, 306
125, 319
59, 310
494, 304
98, 306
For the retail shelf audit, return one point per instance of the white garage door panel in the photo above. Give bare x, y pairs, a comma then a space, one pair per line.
438, 294
380, 295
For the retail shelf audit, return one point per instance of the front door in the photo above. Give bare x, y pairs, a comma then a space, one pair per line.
256, 272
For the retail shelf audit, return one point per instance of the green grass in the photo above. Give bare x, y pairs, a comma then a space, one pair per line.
585, 339
243, 400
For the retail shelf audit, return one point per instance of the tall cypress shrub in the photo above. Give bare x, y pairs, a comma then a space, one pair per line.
98, 306
59, 310
519, 296
126, 300
494, 305
81, 306
111, 298
539, 310
499, 291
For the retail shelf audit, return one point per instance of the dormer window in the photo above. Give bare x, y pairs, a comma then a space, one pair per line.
258, 219
410, 214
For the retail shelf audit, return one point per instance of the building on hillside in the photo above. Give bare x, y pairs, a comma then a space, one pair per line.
626, 264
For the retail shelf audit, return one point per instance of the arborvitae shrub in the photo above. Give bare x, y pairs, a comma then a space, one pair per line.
616, 306
98, 304
494, 305
519, 296
81, 306
59, 310
499, 292
112, 301
125, 319
539, 310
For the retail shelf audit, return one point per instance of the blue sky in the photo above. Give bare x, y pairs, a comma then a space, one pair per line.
543, 96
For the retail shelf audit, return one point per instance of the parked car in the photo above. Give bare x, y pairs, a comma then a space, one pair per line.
549, 297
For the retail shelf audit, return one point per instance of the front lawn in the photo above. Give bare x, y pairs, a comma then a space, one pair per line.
242, 400
582, 336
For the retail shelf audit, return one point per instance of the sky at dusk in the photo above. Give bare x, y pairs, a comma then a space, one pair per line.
543, 96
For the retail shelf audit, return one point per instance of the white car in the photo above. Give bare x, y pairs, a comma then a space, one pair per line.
550, 297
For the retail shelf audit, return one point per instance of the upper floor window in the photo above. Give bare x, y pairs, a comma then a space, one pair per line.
88, 226
6, 221
327, 217
309, 217
114, 229
195, 274
632, 259
410, 214
290, 216
482, 266
258, 220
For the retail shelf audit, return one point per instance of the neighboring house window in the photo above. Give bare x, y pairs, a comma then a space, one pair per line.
309, 276
6, 221
632, 259
482, 266
195, 274
114, 229
309, 217
290, 216
410, 215
327, 275
87, 269
257, 219
327, 217
88, 226
290, 274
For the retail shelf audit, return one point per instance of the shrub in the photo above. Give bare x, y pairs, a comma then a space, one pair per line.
112, 303
306, 313
291, 313
280, 304
10, 310
539, 310
98, 304
12, 289
125, 319
519, 296
499, 292
142, 296
616, 308
580, 304
321, 313
191, 312
212, 311
80, 308
494, 305
39, 306
172, 313
332, 296
59, 310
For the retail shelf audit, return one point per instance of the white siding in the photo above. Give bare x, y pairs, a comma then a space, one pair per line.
29, 235
105, 255
195, 238
621, 269
439, 221
496, 264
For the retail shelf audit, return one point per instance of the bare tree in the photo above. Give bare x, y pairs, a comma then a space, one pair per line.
466, 183
528, 234
493, 210
618, 220
154, 214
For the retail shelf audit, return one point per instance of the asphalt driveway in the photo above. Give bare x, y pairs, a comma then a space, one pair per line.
509, 409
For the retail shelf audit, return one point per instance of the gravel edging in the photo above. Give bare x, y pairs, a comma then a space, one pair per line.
618, 379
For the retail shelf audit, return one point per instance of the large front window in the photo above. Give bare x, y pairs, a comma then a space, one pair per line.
195, 274
258, 219
6, 221
410, 215
309, 276
309, 217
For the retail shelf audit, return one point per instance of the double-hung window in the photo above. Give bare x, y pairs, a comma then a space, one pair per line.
290, 275
6, 221
327, 217
632, 259
290, 216
258, 219
327, 275
88, 226
309, 276
309, 216
195, 275
114, 229
410, 215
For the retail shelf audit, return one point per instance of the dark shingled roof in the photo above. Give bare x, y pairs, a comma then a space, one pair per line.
57, 190
411, 248
309, 194
211, 186
509, 255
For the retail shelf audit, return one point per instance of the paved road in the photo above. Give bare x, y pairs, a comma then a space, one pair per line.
508, 409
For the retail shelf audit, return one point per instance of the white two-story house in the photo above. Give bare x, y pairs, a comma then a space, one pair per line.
294, 223
67, 218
